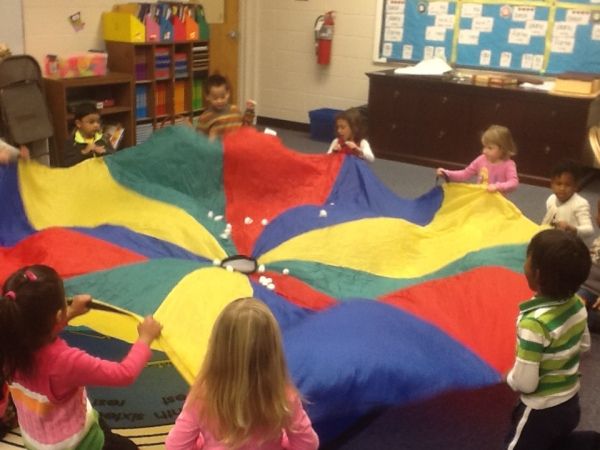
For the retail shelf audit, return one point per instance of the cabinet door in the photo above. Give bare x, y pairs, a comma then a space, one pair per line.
392, 118
442, 121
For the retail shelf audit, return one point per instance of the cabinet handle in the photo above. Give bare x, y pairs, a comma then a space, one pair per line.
444, 99
396, 94
547, 149
394, 126
498, 106
441, 134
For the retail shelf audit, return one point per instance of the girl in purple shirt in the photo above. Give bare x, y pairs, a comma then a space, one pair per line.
494, 168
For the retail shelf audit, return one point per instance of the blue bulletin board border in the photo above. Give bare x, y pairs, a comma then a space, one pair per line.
535, 36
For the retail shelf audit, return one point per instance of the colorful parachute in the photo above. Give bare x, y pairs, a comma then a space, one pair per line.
381, 300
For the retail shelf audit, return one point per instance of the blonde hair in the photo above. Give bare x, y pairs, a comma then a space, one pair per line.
502, 137
243, 386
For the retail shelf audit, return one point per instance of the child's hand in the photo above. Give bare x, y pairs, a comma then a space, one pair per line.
5, 156
562, 225
149, 330
596, 304
439, 172
99, 150
492, 188
250, 104
24, 153
88, 148
80, 304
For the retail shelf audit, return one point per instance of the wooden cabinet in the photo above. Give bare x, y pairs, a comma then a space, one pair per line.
114, 89
438, 123
168, 80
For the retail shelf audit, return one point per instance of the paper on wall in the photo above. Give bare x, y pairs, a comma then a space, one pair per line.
471, 10
578, 16
394, 20
505, 59
483, 24
519, 36
523, 13
433, 33
437, 8
564, 29
485, 57
468, 37
444, 21
536, 27
562, 44
393, 34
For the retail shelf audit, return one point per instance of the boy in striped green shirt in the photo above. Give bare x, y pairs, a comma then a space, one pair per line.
551, 334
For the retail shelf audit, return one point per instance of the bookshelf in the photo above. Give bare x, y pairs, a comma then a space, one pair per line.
115, 90
168, 80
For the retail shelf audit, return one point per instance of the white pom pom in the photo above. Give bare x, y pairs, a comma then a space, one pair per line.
216, 262
218, 218
264, 222
229, 268
248, 220
261, 268
332, 204
270, 286
224, 235
262, 279
228, 227
322, 213
210, 214
286, 271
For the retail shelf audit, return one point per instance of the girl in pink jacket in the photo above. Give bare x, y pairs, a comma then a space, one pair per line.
243, 397
46, 376
494, 168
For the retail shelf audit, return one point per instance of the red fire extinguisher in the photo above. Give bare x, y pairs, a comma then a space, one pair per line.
323, 37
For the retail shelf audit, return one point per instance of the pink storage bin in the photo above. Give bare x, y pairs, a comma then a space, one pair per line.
89, 64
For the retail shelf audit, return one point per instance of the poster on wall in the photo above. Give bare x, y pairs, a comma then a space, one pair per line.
537, 36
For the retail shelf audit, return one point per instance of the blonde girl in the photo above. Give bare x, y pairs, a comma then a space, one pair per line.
494, 168
351, 132
243, 397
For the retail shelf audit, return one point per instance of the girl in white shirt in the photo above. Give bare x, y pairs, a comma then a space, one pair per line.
350, 131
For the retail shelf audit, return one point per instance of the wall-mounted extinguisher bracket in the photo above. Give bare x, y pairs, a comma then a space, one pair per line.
323, 37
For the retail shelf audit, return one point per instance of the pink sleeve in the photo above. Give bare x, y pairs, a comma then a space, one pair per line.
75, 368
301, 435
512, 179
186, 433
468, 172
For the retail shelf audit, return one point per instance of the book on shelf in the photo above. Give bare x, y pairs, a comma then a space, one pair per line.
577, 83
115, 133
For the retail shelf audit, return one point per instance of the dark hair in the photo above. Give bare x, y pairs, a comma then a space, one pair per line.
569, 167
562, 261
31, 298
356, 122
215, 80
85, 109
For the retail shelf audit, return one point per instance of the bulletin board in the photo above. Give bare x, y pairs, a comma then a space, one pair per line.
533, 36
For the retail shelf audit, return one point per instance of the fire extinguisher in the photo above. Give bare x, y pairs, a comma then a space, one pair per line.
323, 37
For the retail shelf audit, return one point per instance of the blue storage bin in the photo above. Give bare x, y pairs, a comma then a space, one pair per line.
322, 124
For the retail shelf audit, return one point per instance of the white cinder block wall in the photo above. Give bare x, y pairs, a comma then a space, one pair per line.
289, 81
47, 28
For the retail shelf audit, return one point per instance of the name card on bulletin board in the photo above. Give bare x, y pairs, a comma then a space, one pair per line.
536, 36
